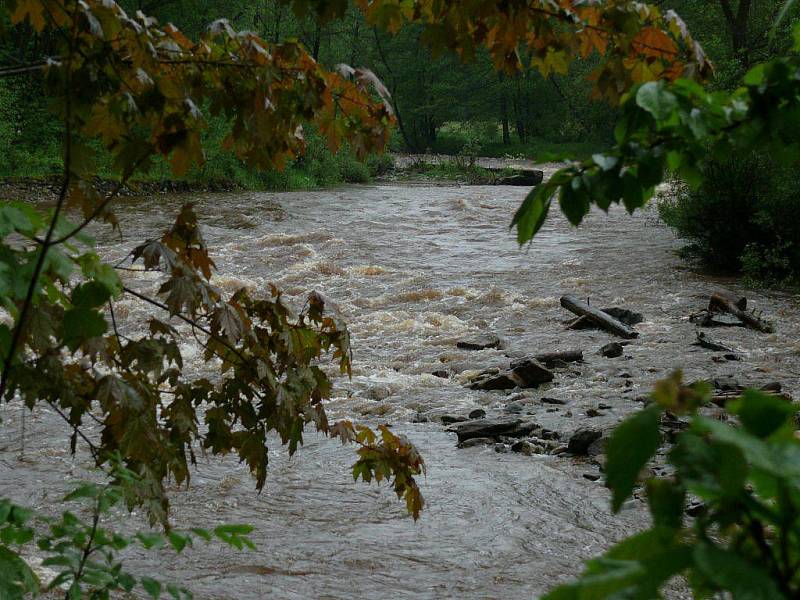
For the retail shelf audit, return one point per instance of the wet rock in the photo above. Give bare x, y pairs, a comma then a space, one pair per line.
527, 448
612, 350
501, 448
531, 372
603, 406
559, 450
501, 381
418, 418
441, 373
591, 476
593, 412
549, 434
479, 342
552, 410
581, 440
553, 401
484, 427
478, 413
628, 317
472, 442
515, 408
524, 429
450, 419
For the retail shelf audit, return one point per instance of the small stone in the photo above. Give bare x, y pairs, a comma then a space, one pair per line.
568, 413
593, 412
441, 373
501, 448
581, 440
604, 406
479, 342
553, 401
591, 476
552, 410
481, 441
612, 350
478, 413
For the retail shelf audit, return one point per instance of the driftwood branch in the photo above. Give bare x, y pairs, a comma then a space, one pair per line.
721, 303
598, 317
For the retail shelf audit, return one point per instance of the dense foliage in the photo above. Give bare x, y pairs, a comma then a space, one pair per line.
726, 519
137, 91
740, 218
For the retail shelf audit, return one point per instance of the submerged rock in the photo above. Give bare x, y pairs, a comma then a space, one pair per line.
484, 427
479, 342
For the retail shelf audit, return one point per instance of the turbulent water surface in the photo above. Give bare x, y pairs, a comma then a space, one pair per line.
413, 269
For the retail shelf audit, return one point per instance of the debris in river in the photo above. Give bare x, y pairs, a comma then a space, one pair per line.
480, 342
601, 319
620, 314
705, 342
612, 350
721, 303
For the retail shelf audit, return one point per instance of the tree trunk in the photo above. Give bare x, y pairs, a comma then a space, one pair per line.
504, 118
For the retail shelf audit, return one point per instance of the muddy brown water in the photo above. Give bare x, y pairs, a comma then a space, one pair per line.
412, 269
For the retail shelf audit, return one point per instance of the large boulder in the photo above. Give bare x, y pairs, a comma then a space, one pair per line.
484, 427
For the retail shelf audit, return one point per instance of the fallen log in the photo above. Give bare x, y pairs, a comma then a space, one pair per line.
720, 303
597, 316
708, 344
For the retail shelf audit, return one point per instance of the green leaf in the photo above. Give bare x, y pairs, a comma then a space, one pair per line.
762, 414
17, 580
633, 443
151, 586
732, 573
81, 324
90, 295
667, 500
657, 100
530, 216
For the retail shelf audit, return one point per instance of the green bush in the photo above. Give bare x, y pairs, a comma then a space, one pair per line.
742, 218
725, 519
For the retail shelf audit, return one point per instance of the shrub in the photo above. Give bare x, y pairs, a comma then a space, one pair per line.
742, 218
725, 519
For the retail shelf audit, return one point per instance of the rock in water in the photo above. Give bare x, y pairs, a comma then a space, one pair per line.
475, 442
479, 342
501, 381
612, 350
450, 419
478, 413
484, 427
581, 440
531, 372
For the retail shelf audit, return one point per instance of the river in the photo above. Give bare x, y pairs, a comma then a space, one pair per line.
414, 268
